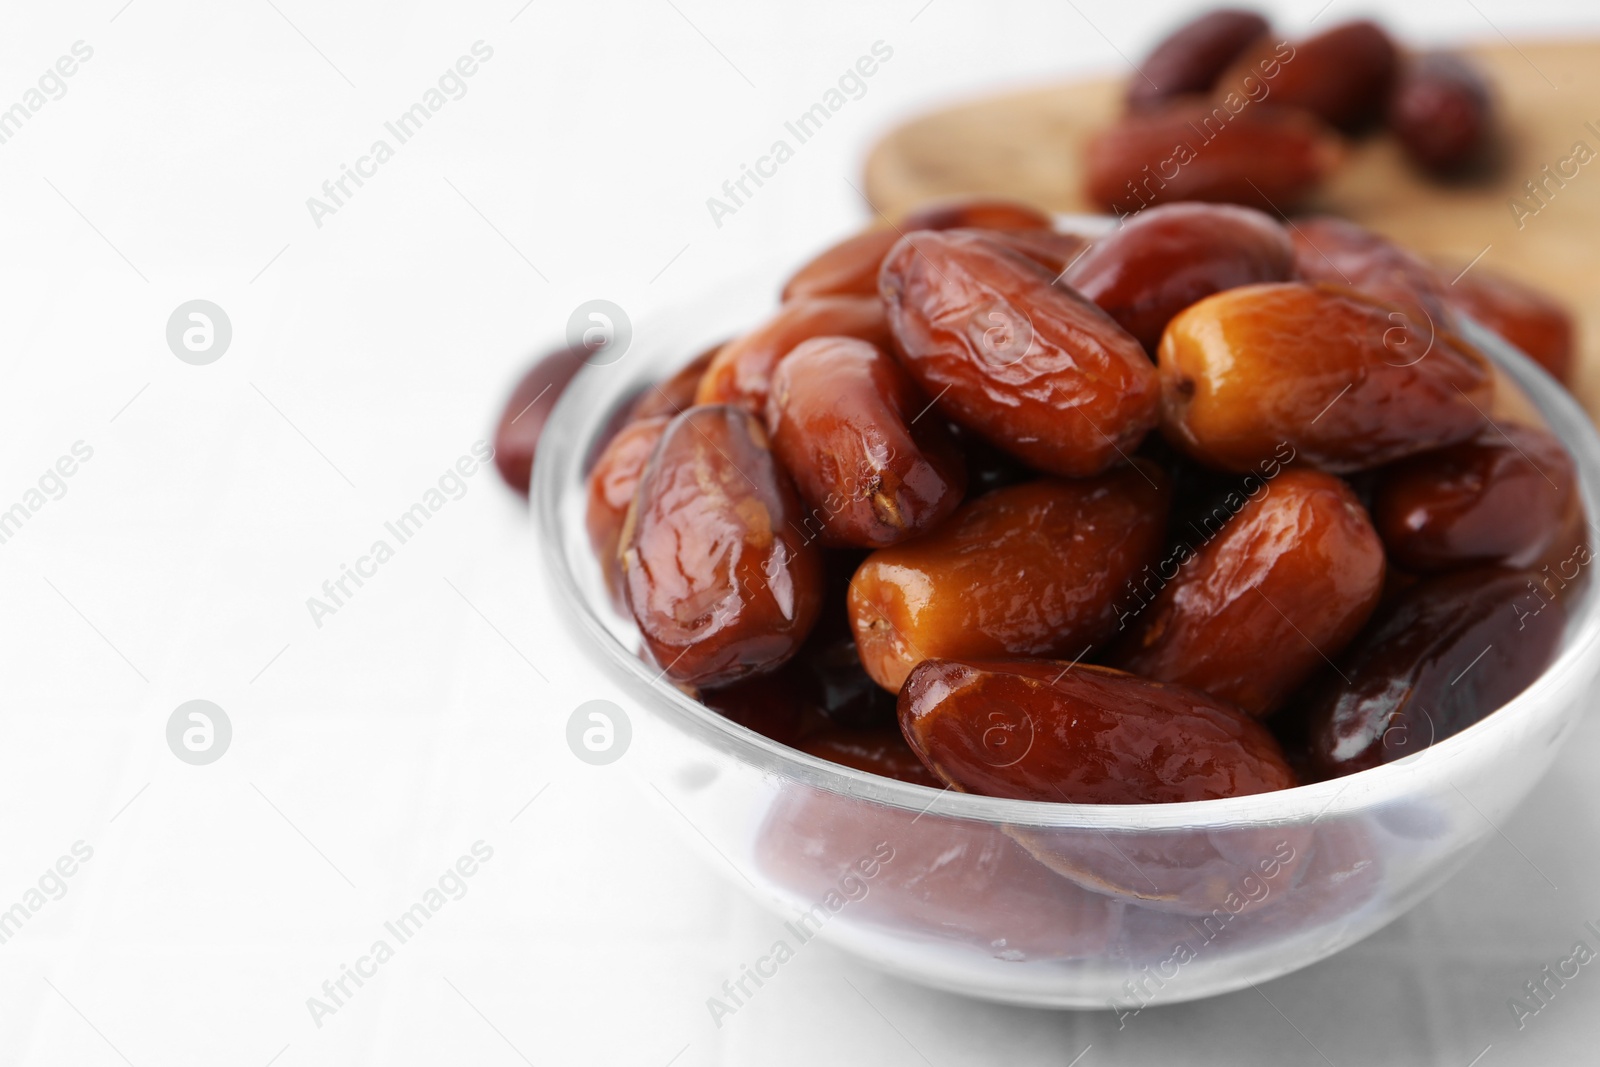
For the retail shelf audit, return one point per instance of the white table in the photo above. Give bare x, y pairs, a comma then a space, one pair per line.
371, 752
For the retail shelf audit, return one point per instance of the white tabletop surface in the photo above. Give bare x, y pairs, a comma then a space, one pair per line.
368, 353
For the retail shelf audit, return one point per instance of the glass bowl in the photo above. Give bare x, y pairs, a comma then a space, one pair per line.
1062, 905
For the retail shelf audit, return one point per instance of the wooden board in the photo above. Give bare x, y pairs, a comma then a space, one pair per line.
1029, 145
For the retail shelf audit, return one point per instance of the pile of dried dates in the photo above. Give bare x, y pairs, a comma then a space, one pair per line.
1224, 109
1207, 507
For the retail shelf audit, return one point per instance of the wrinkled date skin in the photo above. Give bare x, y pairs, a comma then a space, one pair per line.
516, 437
1442, 113
1051, 249
1450, 651
1031, 570
1532, 321
613, 483
1501, 498
1166, 258
882, 751
1036, 730
1264, 156
1341, 253
676, 394
844, 422
1031, 366
849, 268
978, 213
1251, 613
720, 583
741, 371
1192, 57
1342, 76
1321, 369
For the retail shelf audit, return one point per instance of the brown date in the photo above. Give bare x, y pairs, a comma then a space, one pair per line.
1534, 322
1051, 249
721, 585
1263, 156
882, 750
1343, 76
1341, 253
1501, 498
1249, 615
979, 213
516, 437
1322, 369
1031, 366
822, 690
676, 394
937, 878
1450, 651
741, 371
1192, 57
613, 483
1043, 730
1442, 113
849, 268
1031, 570
770, 704
844, 420
1218, 873
1165, 258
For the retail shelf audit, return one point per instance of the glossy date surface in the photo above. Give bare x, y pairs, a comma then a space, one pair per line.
1033, 569
1329, 372
1047, 730
721, 584
872, 462
1031, 366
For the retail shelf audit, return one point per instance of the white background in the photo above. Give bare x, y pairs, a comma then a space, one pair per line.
368, 354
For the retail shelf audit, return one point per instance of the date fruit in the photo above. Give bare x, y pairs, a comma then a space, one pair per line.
1192, 57
1051, 249
676, 394
1031, 570
1322, 369
516, 437
1501, 498
844, 420
1442, 113
721, 584
1337, 252
1251, 613
978, 213
1031, 366
849, 268
1263, 156
741, 371
1165, 258
1044, 730
613, 483
1450, 651
1343, 76
938, 879
1218, 873
881, 751
1532, 321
